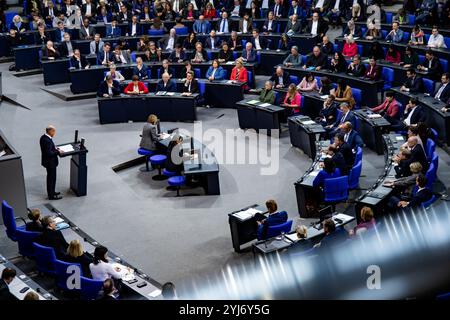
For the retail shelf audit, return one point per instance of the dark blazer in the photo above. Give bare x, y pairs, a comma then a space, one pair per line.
114, 33
418, 155
354, 140
63, 48
374, 74
227, 56
24, 25
49, 154
170, 164
445, 95
435, 70
281, 12
47, 54
276, 80
327, 48
419, 115
171, 86
34, 226
350, 117
357, 33
217, 43
263, 42
297, 28
414, 85
333, 238
237, 46
138, 29
320, 61
346, 150
84, 260
420, 197
142, 74
55, 240
265, 27
121, 16
79, 64
173, 58
103, 89
194, 87
5, 294
340, 163
357, 71
58, 36
41, 40
250, 57
273, 219
83, 33
101, 56
165, 41
322, 27
218, 24
170, 70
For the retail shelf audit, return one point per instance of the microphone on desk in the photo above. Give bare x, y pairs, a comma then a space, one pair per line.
82, 144
76, 136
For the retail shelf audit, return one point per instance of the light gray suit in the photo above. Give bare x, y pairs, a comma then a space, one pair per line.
92, 46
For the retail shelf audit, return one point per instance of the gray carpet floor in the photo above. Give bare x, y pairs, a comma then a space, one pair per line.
171, 239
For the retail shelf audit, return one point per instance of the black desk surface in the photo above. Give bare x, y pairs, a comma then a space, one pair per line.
426, 100
260, 105
371, 117
310, 174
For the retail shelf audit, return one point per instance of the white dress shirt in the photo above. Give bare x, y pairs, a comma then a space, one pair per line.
436, 41
244, 26
314, 27
269, 25
88, 9
257, 45
133, 29
408, 119
224, 26
336, 5
170, 44
103, 270
176, 5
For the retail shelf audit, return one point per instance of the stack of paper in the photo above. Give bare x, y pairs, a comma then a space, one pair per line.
253, 101
374, 116
155, 293
66, 148
58, 220
246, 214
126, 273
265, 105
308, 122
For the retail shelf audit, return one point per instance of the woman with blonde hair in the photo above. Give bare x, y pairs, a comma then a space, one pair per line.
76, 254
150, 134
293, 99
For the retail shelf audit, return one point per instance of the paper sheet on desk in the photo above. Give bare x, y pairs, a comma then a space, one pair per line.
253, 101
164, 135
58, 220
374, 116
314, 173
155, 293
265, 105
126, 274
323, 97
66, 148
246, 214
399, 139
308, 122
293, 237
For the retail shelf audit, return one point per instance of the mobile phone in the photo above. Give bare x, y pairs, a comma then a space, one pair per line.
142, 284
132, 281
24, 289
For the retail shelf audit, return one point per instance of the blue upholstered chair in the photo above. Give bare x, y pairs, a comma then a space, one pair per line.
359, 155
335, 190
353, 178
428, 85
428, 203
10, 221
158, 161
90, 288
388, 76
147, 154
25, 241
430, 147
177, 182
45, 259
62, 273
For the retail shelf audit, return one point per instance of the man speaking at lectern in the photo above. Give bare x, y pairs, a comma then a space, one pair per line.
50, 161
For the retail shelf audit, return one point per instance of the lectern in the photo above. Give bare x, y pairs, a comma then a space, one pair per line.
78, 167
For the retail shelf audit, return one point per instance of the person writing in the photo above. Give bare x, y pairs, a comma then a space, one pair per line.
100, 268
136, 87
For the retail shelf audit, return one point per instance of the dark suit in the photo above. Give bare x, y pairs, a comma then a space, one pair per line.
64, 50
84, 261
5, 294
49, 160
170, 71
103, 89
237, 44
79, 64
445, 94
434, 68
313, 61
340, 163
193, 88
297, 28
357, 32
333, 239
278, 11
273, 28
130, 29
273, 219
418, 115
34, 226
164, 42
349, 117
170, 86
220, 26
217, 43
101, 56
54, 239
173, 56
418, 155
121, 17
276, 80
357, 71
263, 42
414, 85
354, 140
346, 150
420, 197
322, 27
83, 33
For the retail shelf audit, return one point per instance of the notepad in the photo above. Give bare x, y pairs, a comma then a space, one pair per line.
374, 116
62, 226
265, 105
252, 102
293, 237
164, 135
58, 220
66, 148
155, 293
246, 214
399, 138
308, 122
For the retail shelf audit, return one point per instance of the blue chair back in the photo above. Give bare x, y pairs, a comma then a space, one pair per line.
388, 76
319, 83
25, 241
197, 72
201, 88
62, 275
359, 155
45, 259
388, 17
430, 148
336, 189
9, 17
273, 231
435, 160
209, 54
431, 176
421, 58
152, 32
293, 79
90, 288
353, 178
9, 220
250, 79
428, 203
235, 55
183, 31
434, 134
384, 33
133, 57
447, 41
444, 64
336, 47
412, 19
406, 36
429, 85
357, 96
360, 50
258, 57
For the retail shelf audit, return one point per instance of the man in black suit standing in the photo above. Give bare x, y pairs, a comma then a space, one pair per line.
8, 276
49, 161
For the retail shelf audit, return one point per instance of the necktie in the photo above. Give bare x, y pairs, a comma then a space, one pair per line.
223, 26
438, 94
96, 47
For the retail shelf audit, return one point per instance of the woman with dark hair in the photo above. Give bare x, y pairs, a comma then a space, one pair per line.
338, 63
376, 50
392, 55
284, 43
255, 12
325, 86
329, 171
410, 58
168, 13
101, 269
190, 41
225, 54
416, 36
343, 93
308, 83
187, 68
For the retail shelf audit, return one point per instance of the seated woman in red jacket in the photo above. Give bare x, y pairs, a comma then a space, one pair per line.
373, 71
392, 55
239, 73
367, 221
389, 109
136, 86
293, 99
350, 47
209, 12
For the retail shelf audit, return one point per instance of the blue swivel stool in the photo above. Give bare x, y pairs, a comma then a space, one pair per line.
158, 161
177, 182
147, 154
169, 174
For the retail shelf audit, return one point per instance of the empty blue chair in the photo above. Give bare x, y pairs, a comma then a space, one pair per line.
428, 203
384, 33
429, 86
183, 31
431, 176
447, 41
319, 83
335, 190
90, 288
430, 148
336, 47
168, 173
406, 36
412, 19
177, 182
353, 178
250, 79
387, 74
258, 57
435, 160
9, 17
158, 161
444, 64
201, 87
388, 17
45, 259
209, 54
10, 221
197, 72
155, 32
147, 154
293, 79
62, 273
244, 42
357, 96
360, 50
25, 241
359, 155
133, 57
421, 58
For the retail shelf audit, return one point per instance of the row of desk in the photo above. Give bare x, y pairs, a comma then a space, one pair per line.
18, 286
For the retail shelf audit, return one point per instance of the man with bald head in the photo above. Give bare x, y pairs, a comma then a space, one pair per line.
316, 60
49, 160
417, 154
351, 136
280, 78
166, 84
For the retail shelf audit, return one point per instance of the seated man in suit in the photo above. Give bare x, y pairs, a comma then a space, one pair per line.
124, 14
224, 24
8, 276
78, 61
345, 149
201, 25
280, 78
245, 24
274, 218
417, 153
443, 92
431, 65
316, 60
53, 238
258, 42
351, 136
338, 159
170, 41
87, 31
212, 42
423, 194
191, 84
413, 83
121, 56
166, 84
294, 26
333, 235
136, 87
279, 10
270, 25
66, 46
234, 43
112, 30
96, 45
140, 69
49, 52
317, 26
134, 28
248, 54
345, 116
108, 88
356, 68
412, 115
60, 31
402, 169
165, 68
106, 57
396, 34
